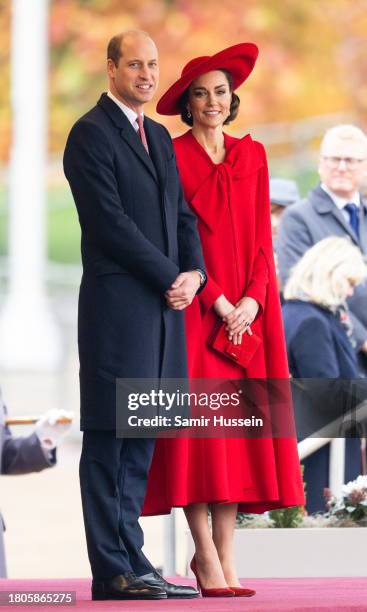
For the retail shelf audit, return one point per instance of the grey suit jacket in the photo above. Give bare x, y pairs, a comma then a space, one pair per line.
19, 455
309, 221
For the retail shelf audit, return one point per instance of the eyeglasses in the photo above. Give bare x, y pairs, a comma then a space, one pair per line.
351, 163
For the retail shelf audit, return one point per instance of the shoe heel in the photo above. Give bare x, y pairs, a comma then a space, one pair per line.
222, 592
193, 569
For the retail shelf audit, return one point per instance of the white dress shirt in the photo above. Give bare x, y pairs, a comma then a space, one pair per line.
341, 202
129, 112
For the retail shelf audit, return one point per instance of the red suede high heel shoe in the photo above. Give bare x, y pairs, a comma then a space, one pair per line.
242, 591
222, 592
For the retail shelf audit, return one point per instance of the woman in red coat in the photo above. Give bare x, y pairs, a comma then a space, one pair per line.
225, 180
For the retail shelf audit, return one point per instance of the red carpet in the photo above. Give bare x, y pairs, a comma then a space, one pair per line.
281, 594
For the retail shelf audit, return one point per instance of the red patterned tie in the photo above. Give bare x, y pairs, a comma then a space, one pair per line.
142, 132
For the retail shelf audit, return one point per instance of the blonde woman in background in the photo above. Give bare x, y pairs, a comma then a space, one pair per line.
318, 338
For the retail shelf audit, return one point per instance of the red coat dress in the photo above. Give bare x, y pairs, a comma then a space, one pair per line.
231, 202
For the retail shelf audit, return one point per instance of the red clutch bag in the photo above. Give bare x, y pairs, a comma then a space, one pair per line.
240, 353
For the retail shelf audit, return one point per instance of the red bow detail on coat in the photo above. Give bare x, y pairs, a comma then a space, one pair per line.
214, 193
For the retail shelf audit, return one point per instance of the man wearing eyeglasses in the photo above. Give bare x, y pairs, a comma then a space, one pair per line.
334, 208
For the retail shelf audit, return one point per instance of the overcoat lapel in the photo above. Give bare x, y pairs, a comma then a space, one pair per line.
127, 132
160, 163
155, 152
133, 140
337, 213
324, 205
363, 226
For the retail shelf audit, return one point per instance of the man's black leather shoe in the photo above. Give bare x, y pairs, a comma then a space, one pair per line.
126, 586
172, 590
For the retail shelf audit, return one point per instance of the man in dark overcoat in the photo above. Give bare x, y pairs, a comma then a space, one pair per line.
335, 207
138, 240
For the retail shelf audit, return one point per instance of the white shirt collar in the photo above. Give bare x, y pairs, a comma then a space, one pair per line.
341, 202
129, 112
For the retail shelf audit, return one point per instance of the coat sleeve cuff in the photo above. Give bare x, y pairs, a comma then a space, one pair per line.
209, 294
257, 291
260, 277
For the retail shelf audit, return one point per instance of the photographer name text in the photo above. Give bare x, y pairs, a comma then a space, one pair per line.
179, 421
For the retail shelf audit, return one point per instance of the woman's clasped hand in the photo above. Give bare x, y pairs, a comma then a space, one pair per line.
237, 318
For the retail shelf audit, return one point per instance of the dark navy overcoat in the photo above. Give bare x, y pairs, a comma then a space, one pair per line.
318, 347
137, 234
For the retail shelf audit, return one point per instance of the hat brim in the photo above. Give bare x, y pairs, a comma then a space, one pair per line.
239, 60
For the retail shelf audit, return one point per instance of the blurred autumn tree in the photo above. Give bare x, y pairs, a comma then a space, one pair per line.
312, 54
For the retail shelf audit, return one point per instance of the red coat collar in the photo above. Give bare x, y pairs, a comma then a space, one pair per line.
210, 198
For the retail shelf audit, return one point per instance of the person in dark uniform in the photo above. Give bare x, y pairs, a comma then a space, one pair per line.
26, 454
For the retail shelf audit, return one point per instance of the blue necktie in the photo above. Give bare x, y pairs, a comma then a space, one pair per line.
352, 210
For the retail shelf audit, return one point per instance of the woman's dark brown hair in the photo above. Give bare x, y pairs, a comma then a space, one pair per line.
233, 109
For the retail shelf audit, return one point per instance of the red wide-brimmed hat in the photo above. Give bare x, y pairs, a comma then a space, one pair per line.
238, 60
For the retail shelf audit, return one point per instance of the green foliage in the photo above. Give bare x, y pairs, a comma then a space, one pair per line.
253, 521
287, 517
282, 518
350, 509
63, 231
63, 227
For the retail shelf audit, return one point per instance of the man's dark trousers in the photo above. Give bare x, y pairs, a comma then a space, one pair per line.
104, 461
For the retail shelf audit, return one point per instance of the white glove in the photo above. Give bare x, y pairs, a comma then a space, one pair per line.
49, 431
